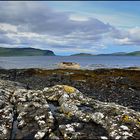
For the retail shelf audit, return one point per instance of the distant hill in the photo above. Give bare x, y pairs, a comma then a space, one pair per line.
25, 52
114, 54
82, 54
136, 53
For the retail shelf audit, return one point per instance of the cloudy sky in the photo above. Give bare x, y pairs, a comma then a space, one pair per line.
71, 27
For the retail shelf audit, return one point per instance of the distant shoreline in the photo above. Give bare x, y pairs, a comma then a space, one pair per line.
39, 52
51, 62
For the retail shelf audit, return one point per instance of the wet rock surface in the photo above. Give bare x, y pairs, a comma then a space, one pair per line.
62, 112
121, 86
7, 89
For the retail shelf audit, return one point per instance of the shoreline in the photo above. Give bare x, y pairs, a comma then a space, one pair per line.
121, 86
82, 68
69, 104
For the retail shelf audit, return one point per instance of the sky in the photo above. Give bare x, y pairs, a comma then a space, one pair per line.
68, 27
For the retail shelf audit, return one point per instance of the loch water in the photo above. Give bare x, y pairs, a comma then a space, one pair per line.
86, 62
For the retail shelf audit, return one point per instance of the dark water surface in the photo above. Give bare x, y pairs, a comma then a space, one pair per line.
88, 62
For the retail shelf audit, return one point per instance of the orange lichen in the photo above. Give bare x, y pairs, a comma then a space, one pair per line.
125, 118
138, 122
69, 89
69, 114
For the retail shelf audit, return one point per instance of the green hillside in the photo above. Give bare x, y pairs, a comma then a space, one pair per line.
82, 54
136, 53
25, 52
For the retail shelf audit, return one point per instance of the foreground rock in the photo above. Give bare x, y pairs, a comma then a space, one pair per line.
7, 89
107, 85
69, 65
62, 112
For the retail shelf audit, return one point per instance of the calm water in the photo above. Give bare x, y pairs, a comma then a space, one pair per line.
50, 62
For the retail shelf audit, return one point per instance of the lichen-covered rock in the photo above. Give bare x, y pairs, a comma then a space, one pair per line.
109, 115
6, 108
69, 89
33, 114
6, 118
62, 112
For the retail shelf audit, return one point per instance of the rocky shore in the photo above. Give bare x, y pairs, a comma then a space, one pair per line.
69, 104
121, 86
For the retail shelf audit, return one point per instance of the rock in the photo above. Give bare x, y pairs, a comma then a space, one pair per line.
124, 127
53, 136
97, 117
62, 112
34, 112
6, 108
68, 65
39, 135
107, 85
104, 138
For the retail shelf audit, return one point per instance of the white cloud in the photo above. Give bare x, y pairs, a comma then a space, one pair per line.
8, 27
24, 24
128, 37
124, 41
78, 18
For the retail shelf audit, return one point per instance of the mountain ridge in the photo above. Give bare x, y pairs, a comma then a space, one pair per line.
25, 52
39, 52
134, 53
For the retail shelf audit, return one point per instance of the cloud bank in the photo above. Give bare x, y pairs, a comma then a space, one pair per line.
34, 24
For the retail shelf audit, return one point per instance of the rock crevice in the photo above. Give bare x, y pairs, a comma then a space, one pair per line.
62, 112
